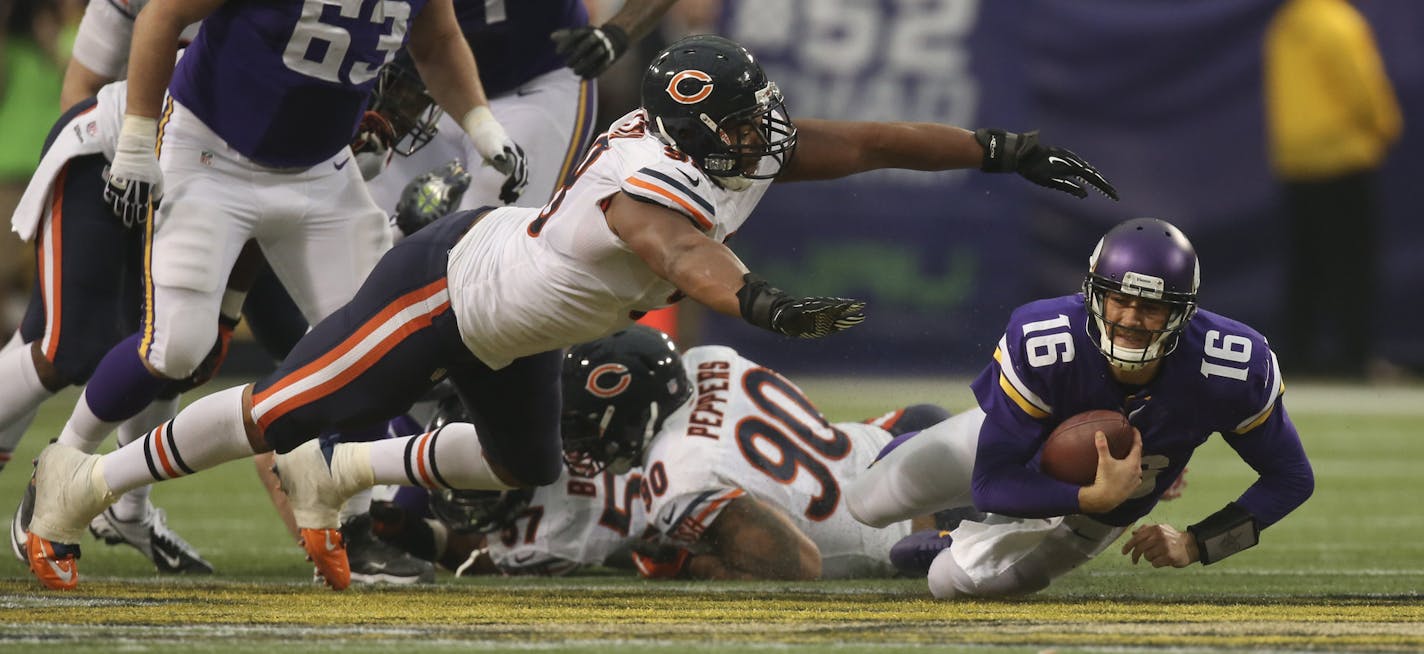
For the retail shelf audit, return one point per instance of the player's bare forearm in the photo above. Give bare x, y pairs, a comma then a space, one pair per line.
443, 58
80, 82
637, 17
756, 541
830, 149
703, 269
154, 48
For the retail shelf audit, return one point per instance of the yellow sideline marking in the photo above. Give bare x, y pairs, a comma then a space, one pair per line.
671, 612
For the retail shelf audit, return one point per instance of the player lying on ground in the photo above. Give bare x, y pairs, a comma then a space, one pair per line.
1178, 373
742, 475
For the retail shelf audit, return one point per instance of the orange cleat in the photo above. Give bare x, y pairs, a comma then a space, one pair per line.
56, 565
327, 551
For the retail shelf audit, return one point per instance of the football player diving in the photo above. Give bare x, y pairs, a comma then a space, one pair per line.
489, 298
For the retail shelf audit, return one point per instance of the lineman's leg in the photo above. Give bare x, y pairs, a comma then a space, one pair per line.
358, 368
552, 118
1012, 556
323, 235
195, 237
85, 262
915, 417
918, 475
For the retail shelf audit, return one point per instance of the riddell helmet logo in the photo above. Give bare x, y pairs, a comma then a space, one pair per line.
608, 380
698, 82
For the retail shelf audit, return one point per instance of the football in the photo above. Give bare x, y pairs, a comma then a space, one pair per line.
1069, 454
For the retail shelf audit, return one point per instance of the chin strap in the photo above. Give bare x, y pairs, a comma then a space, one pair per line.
1224, 533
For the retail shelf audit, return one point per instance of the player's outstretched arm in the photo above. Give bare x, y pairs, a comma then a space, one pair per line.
591, 50
753, 540
830, 149
708, 272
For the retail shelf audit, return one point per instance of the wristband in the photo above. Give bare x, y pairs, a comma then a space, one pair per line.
1224, 533
758, 300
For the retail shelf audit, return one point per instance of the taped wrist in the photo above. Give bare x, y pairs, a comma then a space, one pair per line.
1001, 149
758, 300
1224, 533
138, 137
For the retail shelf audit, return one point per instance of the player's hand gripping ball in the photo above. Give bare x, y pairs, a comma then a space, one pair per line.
1070, 455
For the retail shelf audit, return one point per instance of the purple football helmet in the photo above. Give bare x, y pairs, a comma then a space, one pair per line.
1150, 259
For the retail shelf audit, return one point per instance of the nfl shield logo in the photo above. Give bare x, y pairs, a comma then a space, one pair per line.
92, 128
206, 158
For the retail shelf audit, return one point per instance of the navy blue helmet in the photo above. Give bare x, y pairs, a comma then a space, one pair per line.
1150, 259
401, 98
617, 391
707, 97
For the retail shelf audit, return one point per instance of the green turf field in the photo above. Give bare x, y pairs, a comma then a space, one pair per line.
1346, 572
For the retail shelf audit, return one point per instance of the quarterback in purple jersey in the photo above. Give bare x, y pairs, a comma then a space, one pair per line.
1133, 341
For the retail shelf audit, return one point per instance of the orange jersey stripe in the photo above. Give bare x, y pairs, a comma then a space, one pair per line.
702, 220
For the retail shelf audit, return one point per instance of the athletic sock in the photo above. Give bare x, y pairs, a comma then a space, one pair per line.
134, 505
449, 457
208, 432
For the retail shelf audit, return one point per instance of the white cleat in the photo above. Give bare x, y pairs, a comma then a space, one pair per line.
69, 491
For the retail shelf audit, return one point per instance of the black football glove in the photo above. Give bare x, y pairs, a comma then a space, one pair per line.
430, 196
771, 308
1045, 165
591, 50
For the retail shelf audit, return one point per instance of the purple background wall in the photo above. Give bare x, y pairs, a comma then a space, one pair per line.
1164, 97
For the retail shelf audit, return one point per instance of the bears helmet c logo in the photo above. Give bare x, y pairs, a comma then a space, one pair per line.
699, 82
608, 380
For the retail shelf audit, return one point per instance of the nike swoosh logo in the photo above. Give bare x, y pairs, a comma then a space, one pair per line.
171, 560
1058, 160
330, 546
525, 557
523, 92
693, 180
1134, 413
343, 163
65, 572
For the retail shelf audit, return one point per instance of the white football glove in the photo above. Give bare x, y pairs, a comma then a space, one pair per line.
133, 180
503, 154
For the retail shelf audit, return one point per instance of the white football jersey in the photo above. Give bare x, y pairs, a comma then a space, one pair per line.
525, 281
105, 32
749, 431
573, 522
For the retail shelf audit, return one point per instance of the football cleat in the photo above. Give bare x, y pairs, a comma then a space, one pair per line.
373, 561
69, 491
20, 523
327, 551
151, 536
913, 555
56, 565
316, 494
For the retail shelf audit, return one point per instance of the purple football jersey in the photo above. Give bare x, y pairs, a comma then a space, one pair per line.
285, 82
1222, 378
510, 38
